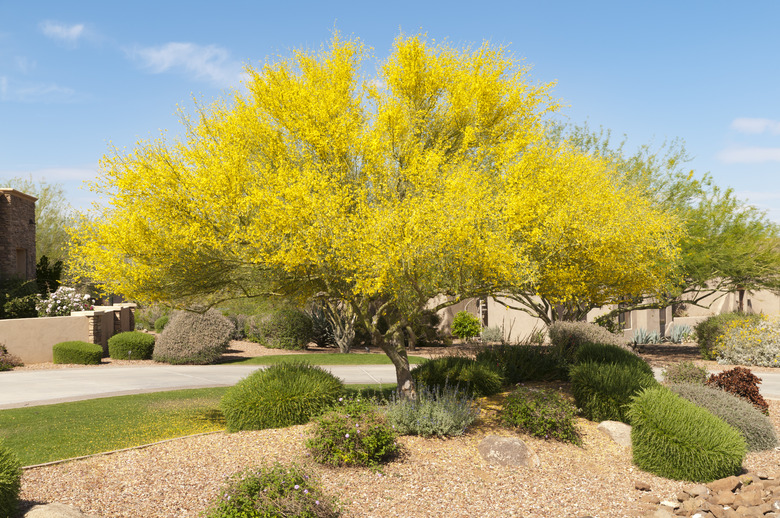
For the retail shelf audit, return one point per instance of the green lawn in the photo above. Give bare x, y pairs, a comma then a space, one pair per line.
325, 359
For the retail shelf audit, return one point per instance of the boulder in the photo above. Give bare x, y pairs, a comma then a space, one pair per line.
56, 511
617, 431
507, 451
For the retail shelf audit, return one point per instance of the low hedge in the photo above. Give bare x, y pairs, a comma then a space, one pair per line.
83, 353
521, 363
479, 378
132, 345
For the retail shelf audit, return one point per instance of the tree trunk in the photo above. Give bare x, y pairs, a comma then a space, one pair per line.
741, 303
397, 353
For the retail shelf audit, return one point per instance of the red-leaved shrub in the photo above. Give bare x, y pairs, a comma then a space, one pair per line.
740, 382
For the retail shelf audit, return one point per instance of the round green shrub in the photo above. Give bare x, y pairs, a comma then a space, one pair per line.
541, 413
282, 395
603, 390
10, 481
160, 323
520, 363
83, 353
272, 491
567, 337
755, 427
606, 353
465, 325
286, 328
193, 338
132, 345
673, 438
685, 372
354, 433
477, 378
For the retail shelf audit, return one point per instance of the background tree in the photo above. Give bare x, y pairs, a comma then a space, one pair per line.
434, 181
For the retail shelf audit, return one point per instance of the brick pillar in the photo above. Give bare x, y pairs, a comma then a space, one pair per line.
95, 332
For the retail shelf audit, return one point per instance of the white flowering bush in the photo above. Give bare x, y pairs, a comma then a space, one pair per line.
748, 342
62, 302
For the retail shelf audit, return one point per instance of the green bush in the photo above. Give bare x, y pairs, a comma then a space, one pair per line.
674, 438
282, 395
603, 353
193, 338
83, 353
685, 372
749, 342
286, 328
160, 323
541, 413
440, 411
755, 427
7, 360
146, 317
272, 491
567, 337
10, 482
355, 433
132, 345
478, 378
519, 363
18, 298
709, 330
603, 391
465, 325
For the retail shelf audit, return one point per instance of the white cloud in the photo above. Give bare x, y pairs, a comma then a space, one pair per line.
26, 92
756, 126
749, 155
68, 34
210, 63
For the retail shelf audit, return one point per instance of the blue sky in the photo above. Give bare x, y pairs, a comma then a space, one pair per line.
77, 77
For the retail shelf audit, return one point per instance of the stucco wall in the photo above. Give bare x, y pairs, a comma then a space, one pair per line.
31, 339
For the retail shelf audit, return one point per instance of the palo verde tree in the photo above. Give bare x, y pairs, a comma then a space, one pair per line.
434, 180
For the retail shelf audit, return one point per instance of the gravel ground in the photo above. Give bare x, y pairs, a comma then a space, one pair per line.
433, 478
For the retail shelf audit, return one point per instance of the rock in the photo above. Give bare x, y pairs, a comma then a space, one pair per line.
724, 484
56, 511
697, 490
507, 451
617, 431
641, 485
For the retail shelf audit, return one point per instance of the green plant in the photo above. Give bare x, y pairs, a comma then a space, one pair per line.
63, 302
643, 336
492, 335
7, 360
193, 338
354, 433
609, 323
749, 342
602, 353
146, 317
685, 372
160, 323
743, 383
47, 275
465, 325
10, 481
673, 438
603, 391
321, 327
131, 345
541, 413
286, 328
708, 330
478, 378
440, 411
755, 427
83, 353
282, 395
567, 337
272, 491
680, 333
18, 298
519, 363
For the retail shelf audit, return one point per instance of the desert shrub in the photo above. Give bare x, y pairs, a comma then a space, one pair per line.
21, 307
275, 490
354, 433
603, 353
755, 427
708, 330
10, 481
673, 438
321, 327
541, 413
685, 372
441, 411
567, 337
680, 333
239, 326
286, 328
193, 338
146, 317
465, 325
132, 345
749, 342
478, 378
519, 363
610, 323
643, 336
425, 326
160, 323
603, 391
492, 335
282, 395
7, 360
83, 353
743, 383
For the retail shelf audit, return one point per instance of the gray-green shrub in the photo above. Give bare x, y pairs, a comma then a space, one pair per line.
10, 481
492, 335
541, 413
685, 372
286, 328
519, 363
7, 360
82, 353
673, 438
282, 395
755, 427
750, 342
132, 345
477, 378
567, 337
603, 391
193, 338
604, 353
440, 411
710, 329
